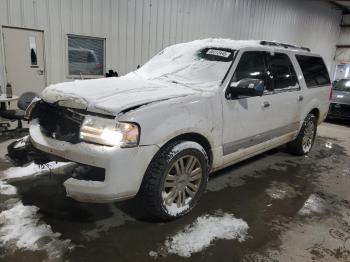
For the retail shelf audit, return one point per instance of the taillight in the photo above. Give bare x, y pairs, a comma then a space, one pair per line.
331, 94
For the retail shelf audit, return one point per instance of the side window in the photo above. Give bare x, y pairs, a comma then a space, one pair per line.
251, 65
314, 70
282, 74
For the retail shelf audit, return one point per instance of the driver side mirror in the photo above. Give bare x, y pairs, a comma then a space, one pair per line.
245, 87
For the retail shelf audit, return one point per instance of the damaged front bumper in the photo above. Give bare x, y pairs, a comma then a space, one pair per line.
124, 167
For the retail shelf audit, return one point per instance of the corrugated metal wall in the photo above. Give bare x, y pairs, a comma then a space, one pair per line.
135, 30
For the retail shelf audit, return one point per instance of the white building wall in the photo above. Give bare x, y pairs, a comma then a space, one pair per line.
135, 30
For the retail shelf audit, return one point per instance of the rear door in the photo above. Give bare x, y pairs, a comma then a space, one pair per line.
314, 75
286, 97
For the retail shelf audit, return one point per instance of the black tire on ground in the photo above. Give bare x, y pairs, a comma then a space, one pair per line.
150, 193
296, 146
18, 155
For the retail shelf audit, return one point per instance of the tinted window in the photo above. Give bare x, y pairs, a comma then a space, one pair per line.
282, 74
251, 65
85, 55
314, 70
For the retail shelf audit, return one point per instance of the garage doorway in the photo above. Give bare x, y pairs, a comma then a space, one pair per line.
24, 59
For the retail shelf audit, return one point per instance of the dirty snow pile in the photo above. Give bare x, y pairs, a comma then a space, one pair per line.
6, 189
313, 205
21, 227
15, 173
206, 229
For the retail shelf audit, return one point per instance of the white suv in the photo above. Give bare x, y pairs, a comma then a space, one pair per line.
191, 110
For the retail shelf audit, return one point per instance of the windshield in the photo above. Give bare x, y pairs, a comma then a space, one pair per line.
342, 85
189, 65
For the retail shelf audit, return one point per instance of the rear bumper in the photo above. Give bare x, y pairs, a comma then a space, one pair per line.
124, 167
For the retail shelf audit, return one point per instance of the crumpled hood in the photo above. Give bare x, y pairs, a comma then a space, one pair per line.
112, 95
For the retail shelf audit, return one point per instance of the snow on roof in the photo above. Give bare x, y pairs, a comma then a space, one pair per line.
221, 43
235, 44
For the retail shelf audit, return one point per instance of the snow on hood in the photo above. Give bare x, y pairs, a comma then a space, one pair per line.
174, 72
111, 95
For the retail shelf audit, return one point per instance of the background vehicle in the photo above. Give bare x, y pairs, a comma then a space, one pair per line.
193, 109
340, 101
84, 62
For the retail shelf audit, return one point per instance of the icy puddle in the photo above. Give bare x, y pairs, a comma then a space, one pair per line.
118, 218
280, 191
203, 232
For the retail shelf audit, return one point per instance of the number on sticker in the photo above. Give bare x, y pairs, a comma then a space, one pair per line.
218, 53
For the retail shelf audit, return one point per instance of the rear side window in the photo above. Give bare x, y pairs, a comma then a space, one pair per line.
314, 70
282, 72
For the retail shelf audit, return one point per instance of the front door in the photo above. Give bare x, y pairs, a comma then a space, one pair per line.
24, 60
246, 120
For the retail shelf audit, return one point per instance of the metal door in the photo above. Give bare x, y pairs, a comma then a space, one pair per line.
24, 59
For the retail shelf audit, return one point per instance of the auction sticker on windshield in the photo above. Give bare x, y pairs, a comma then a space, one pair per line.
216, 52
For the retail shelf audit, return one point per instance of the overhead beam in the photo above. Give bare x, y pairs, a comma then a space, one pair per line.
343, 46
343, 8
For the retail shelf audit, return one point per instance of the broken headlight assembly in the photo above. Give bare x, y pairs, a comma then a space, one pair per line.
109, 132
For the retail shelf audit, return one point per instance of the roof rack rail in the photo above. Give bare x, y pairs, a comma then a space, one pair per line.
271, 43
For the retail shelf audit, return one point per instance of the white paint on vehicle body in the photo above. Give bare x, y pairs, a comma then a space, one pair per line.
165, 106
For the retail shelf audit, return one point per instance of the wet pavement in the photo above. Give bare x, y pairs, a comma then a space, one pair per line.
297, 209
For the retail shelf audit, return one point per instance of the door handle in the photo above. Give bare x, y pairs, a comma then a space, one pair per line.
40, 72
266, 104
300, 98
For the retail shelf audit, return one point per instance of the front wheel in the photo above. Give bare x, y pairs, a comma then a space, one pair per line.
174, 180
306, 137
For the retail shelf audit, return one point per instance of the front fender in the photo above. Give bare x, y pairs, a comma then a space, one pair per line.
164, 120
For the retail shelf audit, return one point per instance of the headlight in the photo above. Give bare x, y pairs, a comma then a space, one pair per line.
109, 132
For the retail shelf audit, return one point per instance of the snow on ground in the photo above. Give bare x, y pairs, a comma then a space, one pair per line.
117, 219
280, 191
16, 173
313, 205
6, 189
21, 228
202, 232
174, 210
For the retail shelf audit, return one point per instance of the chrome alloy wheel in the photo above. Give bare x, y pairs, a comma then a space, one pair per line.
308, 137
182, 181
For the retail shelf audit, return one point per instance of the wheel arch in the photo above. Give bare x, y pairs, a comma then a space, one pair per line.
316, 112
195, 137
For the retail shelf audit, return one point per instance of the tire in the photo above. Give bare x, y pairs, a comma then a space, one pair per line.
303, 143
18, 151
162, 181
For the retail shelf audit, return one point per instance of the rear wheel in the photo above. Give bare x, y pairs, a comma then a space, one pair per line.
175, 180
306, 137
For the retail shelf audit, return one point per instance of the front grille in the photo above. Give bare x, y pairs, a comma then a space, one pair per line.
339, 110
59, 122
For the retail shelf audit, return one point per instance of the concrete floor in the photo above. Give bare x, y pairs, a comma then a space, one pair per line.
297, 209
